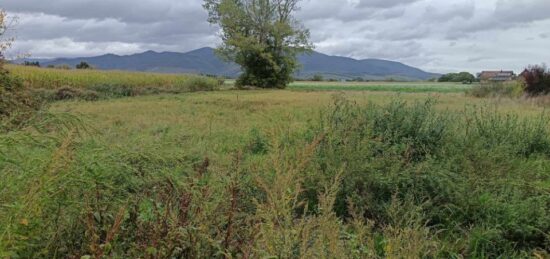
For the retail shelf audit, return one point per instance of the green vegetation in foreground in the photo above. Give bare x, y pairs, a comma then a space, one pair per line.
406, 87
279, 174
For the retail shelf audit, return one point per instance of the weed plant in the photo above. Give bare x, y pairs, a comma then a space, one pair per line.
375, 181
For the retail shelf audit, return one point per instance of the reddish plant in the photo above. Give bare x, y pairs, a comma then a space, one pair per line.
537, 80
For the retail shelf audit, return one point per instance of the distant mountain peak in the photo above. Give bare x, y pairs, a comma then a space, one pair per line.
149, 52
109, 55
204, 50
205, 61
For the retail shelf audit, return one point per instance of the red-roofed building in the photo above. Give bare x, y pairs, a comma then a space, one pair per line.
496, 76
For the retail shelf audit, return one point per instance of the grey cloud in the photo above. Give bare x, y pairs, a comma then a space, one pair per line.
372, 49
514, 11
142, 11
434, 34
384, 3
477, 59
463, 11
168, 23
506, 15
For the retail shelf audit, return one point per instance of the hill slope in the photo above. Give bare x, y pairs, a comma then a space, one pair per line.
204, 61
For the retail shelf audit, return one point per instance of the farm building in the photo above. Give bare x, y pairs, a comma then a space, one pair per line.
496, 76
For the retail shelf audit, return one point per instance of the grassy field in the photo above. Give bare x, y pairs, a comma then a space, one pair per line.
91, 84
214, 123
405, 87
310, 172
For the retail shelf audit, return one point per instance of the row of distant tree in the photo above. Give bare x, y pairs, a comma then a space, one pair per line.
321, 78
462, 77
81, 65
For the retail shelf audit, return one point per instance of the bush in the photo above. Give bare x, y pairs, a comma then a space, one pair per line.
257, 144
495, 89
68, 93
393, 180
537, 80
462, 77
461, 173
17, 104
31, 64
83, 65
115, 91
195, 84
317, 78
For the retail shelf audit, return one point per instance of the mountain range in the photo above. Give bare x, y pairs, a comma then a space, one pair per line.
205, 61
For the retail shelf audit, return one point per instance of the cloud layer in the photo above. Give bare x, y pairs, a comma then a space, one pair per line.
435, 35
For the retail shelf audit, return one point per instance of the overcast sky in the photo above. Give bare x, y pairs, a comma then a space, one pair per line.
435, 35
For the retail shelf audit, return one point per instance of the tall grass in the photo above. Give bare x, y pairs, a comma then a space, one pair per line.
512, 89
471, 176
391, 180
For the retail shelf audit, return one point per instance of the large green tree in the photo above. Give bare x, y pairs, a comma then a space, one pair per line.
262, 36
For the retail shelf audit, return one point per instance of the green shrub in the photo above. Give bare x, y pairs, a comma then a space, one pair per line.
115, 90
317, 78
491, 130
195, 84
68, 93
258, 143
83, 65
373, 181
17, 104
462, 77
462, 172
495, 89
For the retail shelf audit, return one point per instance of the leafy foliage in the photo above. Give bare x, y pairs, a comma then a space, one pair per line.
537, 80
83, 65
462, 77
31, 63
17, 105
262, 37
495, 89
467, 176
317, 78
357, 182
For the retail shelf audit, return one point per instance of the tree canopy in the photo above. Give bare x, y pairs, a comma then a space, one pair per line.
464, 77
262, 36
83, 65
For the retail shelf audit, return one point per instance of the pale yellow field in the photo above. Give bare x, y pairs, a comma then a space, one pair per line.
50, 78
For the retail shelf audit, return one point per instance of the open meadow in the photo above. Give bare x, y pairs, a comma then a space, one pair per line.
288, 129
320, 170
405, 87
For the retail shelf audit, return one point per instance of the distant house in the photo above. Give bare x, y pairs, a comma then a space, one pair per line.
496, 76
